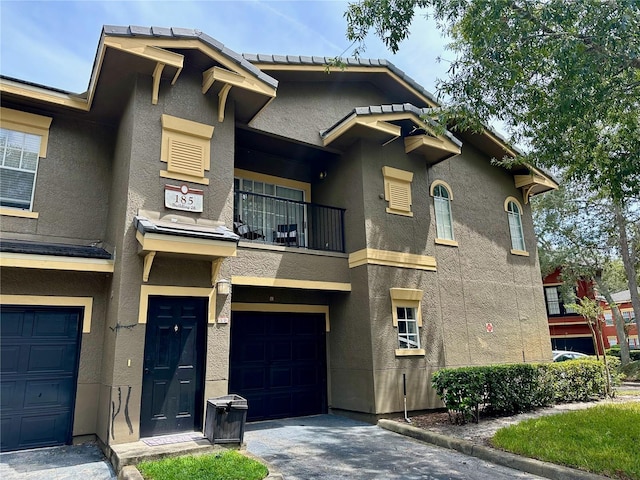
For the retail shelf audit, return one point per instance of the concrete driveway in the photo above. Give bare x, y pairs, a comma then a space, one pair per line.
72, 462
333, 447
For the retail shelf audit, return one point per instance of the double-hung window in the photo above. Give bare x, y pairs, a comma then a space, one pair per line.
407, 318
408, 336
514, 211
23, 141
18, 166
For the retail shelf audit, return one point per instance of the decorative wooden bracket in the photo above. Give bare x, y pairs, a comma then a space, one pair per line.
222, 101
157, 73
148, 261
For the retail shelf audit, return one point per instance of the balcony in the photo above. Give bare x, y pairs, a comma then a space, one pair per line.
275, 220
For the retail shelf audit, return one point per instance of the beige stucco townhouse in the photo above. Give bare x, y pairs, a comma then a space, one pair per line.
200, 222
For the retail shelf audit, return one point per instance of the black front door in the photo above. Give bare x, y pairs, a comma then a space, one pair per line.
172, 384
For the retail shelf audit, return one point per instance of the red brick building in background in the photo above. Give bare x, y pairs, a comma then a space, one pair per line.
568, 330
623, 300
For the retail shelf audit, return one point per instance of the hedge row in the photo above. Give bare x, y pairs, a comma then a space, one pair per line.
509, 389
633, 353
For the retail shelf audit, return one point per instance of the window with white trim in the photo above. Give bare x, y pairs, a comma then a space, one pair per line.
442, 206
23, 141
515, 225
555, 302
406, 305
19, 153
408, 336
608, 319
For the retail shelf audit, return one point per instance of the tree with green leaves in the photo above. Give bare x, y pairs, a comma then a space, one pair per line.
575, 233
562, 76
590, 310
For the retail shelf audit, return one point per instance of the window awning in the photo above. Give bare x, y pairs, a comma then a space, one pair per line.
54, 256
178, 235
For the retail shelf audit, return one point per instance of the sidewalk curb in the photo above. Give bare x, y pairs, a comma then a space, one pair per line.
506, 459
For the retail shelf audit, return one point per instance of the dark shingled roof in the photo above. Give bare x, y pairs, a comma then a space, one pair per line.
56, 249
387, 109
351, 61
161, 32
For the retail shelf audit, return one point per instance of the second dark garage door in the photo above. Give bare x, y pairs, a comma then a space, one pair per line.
278, 363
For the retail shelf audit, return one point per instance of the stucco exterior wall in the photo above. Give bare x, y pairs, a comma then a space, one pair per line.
476, 283
72, 183
302, 109
281, 264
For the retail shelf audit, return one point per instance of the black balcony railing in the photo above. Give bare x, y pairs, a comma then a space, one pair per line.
279, 221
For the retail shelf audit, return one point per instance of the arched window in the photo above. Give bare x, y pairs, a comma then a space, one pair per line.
514, 211
442, 204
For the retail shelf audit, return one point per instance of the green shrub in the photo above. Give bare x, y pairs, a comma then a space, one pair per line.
578, 380
516, 388
462, 390
615, 351
631, 371
509, 389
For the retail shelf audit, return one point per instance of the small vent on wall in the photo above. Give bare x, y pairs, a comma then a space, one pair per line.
186, 158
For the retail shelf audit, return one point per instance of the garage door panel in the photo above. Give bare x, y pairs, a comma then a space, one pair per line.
51, 358
9, 357
43, 430
280, 405
12, 324
40, 347
251, 351
48, 393
8, 394
251, 377
280, 351
306, 350
280, 377
305, 377
54, 324
290, 378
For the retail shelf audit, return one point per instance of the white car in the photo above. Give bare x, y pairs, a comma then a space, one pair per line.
563, 355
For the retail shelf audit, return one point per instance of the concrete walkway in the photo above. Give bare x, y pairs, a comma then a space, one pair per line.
71, 462
332, 447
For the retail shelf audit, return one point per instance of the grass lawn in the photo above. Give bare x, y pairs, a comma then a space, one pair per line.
229, 465
604, 439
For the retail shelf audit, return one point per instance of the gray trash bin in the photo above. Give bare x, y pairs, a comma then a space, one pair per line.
225, 419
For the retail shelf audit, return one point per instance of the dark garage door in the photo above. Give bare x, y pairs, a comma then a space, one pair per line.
574, 344
278, 363
39, 370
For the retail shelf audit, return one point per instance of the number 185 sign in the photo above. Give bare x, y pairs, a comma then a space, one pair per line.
183, 198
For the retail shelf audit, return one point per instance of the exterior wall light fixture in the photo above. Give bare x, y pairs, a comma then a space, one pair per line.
223, 287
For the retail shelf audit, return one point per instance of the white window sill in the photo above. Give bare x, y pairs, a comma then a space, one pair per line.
399, 212
410, 352
521, 253
444, 241
15, 212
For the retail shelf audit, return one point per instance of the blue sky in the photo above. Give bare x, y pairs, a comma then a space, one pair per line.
54, 42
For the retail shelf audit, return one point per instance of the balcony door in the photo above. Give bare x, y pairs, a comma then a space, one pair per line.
271, 209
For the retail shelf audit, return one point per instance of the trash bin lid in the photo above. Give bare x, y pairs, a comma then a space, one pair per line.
233, 401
